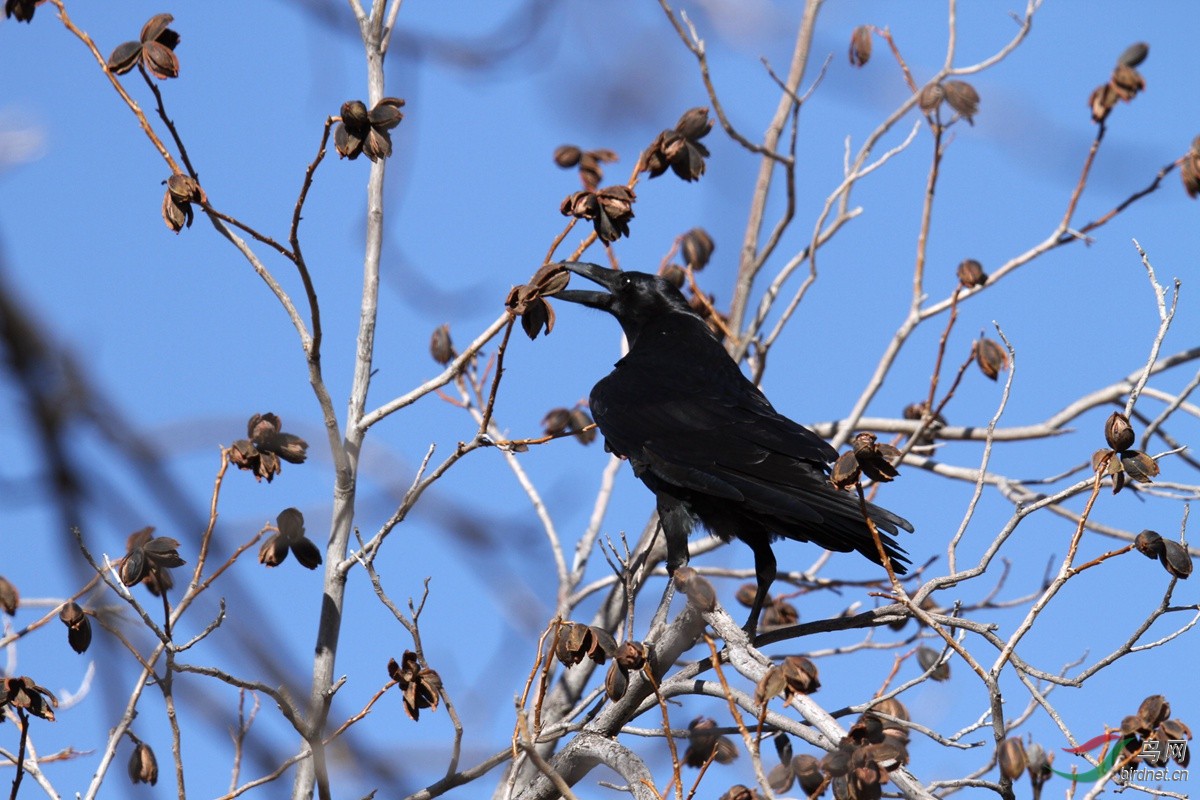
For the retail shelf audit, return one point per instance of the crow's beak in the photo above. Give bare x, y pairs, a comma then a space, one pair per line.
593, 272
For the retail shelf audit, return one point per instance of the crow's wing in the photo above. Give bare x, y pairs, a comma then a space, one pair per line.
693, 420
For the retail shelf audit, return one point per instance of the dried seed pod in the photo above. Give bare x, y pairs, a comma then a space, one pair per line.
928, 658
160, 60
1175, 559
573, 643
10, 598
1149, 544
184, 188
420, 688
1106, 460
1153, 710
307, 553
991, 357
143, 767
176, 215
1190, 176
860, 46
22, 692
962, 97
1012, 758
808, 771
931, 97
377, 144
704, 744
872, 457
697, 247
893, 708
699, 590
845, 471
739, 792
1102, 100
1175, 730
440, 346
355, 116
970, 273
1127, 82
631, 655
780, 614
746, 594
836, 763
674, 275
125, 57
155, 27
780, 778
800, 673
556, 421
133, 568
1139, 466
1134, 55
867, 730
616, 681
273, 551
770, 685
79, 627
386, 115
550, 279
1118, 432
578, 423
602, 645
694, 123
567, 155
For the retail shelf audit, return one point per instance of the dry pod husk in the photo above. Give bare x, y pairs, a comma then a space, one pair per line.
1012, 758
143, 766
860, 46
927, 657
1118, 432
991, 357
79, 627
10, 598
970, 273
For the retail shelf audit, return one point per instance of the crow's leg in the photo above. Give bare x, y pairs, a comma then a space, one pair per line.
675, 522
764, 569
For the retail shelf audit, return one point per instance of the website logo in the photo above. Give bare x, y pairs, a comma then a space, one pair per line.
1149, 765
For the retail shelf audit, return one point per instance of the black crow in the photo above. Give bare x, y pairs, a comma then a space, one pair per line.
707, 441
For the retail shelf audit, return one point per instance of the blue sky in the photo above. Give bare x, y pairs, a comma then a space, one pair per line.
186, 342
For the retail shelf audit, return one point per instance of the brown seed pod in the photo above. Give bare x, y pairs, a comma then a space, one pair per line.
991, 357
1175, 559
962, 97
143, 766
927, 657
10, 598
616, 681
1149, 544
970, 274
697, 247
1139, 466
770, 685
1012, 758
860, 46
440, 346
1153, 710
1134, 55
801, 675
931, 97
567, 155
1118, 432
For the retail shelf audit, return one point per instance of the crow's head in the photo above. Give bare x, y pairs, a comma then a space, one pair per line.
634, 298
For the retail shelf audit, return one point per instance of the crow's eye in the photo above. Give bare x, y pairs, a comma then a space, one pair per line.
626, 281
